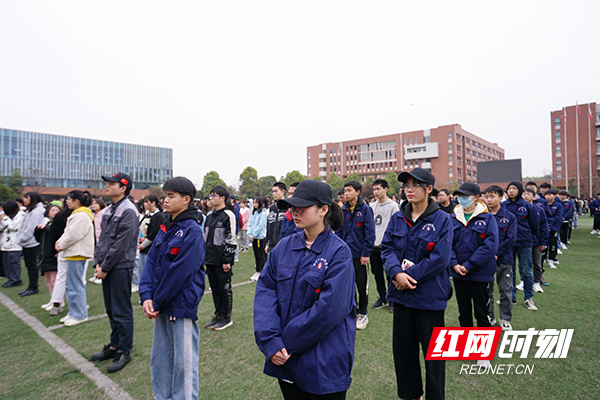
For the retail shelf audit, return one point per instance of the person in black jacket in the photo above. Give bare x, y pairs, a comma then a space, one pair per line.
149, 227
275, 218
57, 228
47, 260
219, 235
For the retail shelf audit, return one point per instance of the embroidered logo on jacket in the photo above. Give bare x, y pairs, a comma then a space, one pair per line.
320, 263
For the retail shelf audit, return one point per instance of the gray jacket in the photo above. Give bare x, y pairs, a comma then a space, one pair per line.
32, 219
117, 245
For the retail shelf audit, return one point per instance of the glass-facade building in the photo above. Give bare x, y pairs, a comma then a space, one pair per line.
49, 160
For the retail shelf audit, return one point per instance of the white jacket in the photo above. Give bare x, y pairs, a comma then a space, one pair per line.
77, 241
10, 231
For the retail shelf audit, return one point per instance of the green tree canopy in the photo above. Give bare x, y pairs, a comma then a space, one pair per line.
249, 182
335, 182
352, 177
211, 179
15, 181
392, 180
316, 178
293, 176
265, 186
7, 193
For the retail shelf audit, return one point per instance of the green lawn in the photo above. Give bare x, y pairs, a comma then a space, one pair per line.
231, 365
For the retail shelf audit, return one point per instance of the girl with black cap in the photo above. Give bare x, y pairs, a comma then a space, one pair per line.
304, 306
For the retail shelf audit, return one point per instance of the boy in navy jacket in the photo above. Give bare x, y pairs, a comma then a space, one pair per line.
554, 224
507, 235
171, 287
473, 256
416, 253
358, 231
567, 218
527, 227
540, 241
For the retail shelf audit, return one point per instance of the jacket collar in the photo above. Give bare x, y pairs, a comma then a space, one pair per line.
359, 202
480, 208
406, 209
317, 246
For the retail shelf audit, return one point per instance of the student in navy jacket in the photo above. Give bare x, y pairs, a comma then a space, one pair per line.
595, 213
171, 287
554, 224
507, 235
416, 252
540, 240
358, 231
473, 257
567, 217
527, 227
288, 227
304, 305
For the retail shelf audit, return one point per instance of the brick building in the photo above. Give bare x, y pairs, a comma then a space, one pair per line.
576, 148
449, 152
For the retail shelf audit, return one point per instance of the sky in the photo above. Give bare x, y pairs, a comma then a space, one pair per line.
228, 84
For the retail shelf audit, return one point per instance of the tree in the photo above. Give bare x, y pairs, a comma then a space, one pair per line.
156, 190
265, 186
392, 180
7, 193
15, 181
352, 177
249, 182
211, 179
335, 182
293, 176
317, 178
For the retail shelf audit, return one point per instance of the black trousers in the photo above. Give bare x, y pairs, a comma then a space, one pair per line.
291, 391
220, 284
597, 222
564, 232
116, 288
471, 296
30, 255
552, 245
378, 271
260, 257
362, 285
411, 328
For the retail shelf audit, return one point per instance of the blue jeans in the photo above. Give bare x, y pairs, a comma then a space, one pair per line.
174, 358
525, 262
139, 267
12, 266
76, 296
116, 288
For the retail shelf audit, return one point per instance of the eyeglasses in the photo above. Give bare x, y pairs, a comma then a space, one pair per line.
414, 186
298, 210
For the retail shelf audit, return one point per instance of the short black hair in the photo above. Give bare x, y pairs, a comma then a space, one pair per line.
563, 193
341, 192
280, 185
355, 184
220, 191
545, 185
381, 182
181, 185
445, 191
530, 190
294, 184
494, 189
531, 183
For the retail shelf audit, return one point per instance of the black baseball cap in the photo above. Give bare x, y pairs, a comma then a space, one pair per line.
308, 193
468, 189
419, 174
120, 177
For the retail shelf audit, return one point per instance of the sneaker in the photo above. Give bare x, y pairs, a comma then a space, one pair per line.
391, 307
73, 321
213, 321
97, 281
236, 260
563, 246
105, 354
135, 288
498, 302
506, 326
530, 306
47, 305
64, 319
544, 283
92, 279
255, 276
362, 321
514, 302
492, 320
552, 264
380, 304
484, 363
537, 288
520, 286
568, 242
223, 323
120, 360
56, 310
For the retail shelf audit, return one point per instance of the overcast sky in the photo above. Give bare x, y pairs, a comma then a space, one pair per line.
228, 84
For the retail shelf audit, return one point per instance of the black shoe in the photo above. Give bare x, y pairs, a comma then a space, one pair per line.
222, 324
29, 292
14, 284
23, 291
391, 307
6, 285
213, 322
119, 362
105, 354
380, 304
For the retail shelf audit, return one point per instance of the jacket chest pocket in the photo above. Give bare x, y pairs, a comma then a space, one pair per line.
522, 213
314, 282
399, 237
479, 234
284, 284
358, 220
173, 247
427, 242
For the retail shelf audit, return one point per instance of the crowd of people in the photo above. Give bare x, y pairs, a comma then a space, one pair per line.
312, 253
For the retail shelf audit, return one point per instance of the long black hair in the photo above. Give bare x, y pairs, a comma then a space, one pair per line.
334, 216
262, 203
34, 199
10, 208
85, 198
153, 199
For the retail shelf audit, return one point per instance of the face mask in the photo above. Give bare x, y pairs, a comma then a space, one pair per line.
465, 201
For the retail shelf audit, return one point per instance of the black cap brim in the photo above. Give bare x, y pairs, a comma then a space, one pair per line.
294, 202
403, 177
109, 178
463, 193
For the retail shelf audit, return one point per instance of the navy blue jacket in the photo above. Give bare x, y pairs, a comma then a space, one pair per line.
541, 201
507, 235
358, 229
427, 243
556, 211
288, 227
173, 276
543, 235
527, 221
475, 244
304, 302
568, 207
594, 206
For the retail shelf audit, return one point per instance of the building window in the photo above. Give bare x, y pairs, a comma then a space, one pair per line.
598, 131
309, 155
450, 171
449, 136
557, 123
449, 148
416, 140
558, 175
410, 142
557, 136
405, 142
450, 160
558, 150
559, 165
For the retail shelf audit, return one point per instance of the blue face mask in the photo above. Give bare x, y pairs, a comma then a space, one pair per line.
465, 201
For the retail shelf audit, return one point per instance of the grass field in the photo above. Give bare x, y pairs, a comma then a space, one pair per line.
231, 365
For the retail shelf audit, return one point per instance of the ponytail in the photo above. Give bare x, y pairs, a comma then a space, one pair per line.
334, 216
85, 198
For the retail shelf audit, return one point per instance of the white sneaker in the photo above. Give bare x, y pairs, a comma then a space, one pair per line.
484, 363
97, 281
563, 246
537, 287
558, 251
568, 242
255, 276
362, 321
45, 306
506, 326
92, 279
530, 306
64, 319
520, 286
552, 264
73, 321
49, 307
594, 232
135, 288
